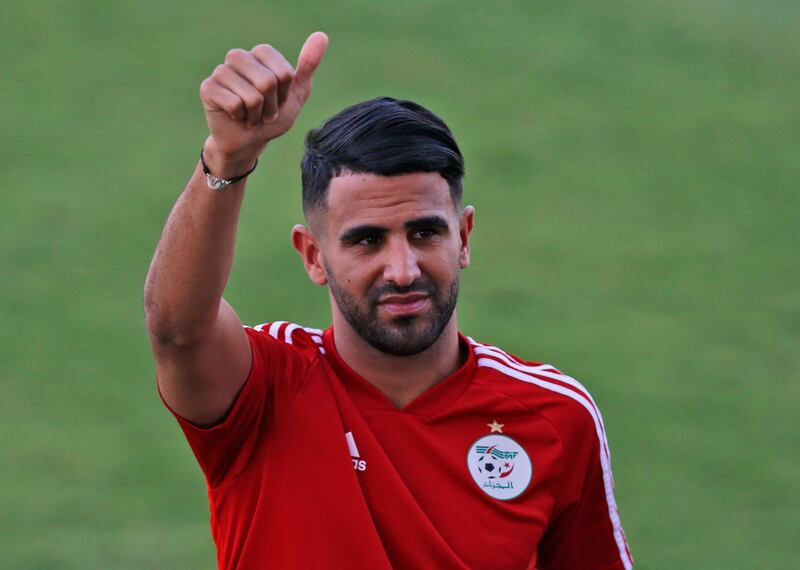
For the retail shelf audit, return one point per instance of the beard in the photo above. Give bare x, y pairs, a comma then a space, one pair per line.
402, 335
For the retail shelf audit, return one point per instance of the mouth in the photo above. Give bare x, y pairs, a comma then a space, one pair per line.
405, 304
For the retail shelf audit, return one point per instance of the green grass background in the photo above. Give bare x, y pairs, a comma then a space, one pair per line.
635, 171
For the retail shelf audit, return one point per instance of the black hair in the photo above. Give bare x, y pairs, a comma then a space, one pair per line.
382, 136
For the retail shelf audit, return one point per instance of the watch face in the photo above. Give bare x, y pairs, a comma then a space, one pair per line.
216, 183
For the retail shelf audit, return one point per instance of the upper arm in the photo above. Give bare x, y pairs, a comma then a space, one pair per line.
200, 380
586, 531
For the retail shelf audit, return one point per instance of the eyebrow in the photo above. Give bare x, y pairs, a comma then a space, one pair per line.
437, 222
357, 232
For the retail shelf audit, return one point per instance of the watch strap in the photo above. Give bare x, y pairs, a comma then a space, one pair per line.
216, 183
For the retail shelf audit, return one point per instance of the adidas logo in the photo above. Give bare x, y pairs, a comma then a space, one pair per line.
358, 463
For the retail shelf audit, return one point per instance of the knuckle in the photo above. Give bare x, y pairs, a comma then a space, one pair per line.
284, 76
234, 54
263, 48
254, 100
231, 105
266, 83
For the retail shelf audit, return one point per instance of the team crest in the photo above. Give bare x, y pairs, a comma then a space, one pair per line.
499, 466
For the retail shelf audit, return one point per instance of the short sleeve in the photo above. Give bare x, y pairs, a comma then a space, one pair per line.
586, 534
278, 369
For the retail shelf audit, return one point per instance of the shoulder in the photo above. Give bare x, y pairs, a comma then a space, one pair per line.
286, 337
544, 389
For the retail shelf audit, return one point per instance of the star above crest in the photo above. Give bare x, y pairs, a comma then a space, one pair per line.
496, 427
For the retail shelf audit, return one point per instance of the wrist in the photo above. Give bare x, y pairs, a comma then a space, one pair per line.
228, 165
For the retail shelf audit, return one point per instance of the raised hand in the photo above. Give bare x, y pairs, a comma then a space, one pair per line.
254, 97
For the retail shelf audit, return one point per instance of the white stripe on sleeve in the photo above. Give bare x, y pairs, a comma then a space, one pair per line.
584, 400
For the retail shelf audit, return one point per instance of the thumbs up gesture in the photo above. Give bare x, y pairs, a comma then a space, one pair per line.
254, 97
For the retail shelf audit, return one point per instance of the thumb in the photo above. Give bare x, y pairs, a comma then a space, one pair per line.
309, 58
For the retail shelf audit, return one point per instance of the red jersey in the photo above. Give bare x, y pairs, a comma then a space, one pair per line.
502, 465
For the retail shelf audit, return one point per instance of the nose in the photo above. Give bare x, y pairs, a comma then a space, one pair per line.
402, 264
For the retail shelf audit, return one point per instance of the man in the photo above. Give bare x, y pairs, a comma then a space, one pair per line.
388, 440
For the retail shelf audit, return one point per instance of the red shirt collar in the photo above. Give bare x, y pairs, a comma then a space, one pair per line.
430, 403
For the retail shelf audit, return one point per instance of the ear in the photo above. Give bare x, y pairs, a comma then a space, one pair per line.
307, 245
465, 224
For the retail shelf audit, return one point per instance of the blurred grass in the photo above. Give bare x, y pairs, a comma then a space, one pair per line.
634, 167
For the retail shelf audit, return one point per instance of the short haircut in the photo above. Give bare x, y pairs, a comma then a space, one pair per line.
382, 136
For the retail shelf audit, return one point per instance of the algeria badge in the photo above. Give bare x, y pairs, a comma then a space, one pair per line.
499, 465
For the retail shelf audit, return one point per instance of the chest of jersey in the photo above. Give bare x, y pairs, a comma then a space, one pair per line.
479, 472
502, 465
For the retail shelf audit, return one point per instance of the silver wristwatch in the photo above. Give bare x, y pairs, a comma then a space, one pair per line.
216, 183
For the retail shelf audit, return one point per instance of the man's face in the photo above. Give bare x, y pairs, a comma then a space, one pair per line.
392, 249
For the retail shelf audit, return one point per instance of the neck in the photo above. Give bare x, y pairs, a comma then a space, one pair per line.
400, 378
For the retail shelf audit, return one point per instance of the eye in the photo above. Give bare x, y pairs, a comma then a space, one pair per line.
369, 240
425, 234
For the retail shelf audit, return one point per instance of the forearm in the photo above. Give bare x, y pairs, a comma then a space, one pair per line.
192, 263
251, 99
